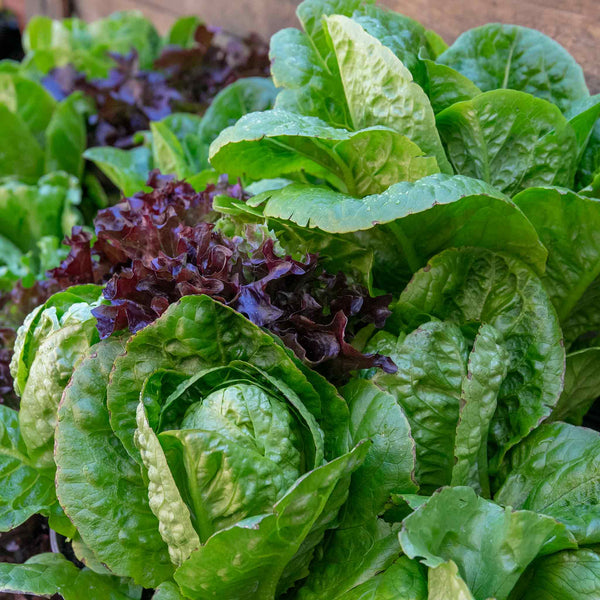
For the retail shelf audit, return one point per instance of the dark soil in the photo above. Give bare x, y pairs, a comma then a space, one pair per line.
22, 543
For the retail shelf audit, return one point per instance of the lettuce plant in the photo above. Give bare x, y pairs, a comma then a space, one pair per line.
183, 430
179, 143
46, 135
33, 220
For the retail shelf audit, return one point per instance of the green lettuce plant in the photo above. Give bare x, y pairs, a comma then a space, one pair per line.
45, 135
33, 220
201, 458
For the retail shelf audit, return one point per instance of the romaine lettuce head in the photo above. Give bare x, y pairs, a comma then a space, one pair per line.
221, 447
480, 361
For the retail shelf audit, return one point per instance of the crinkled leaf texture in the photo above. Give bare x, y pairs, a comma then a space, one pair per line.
48, 347
568, 225
99, 485
568, 575
278, 143
48, 574
338, 72
497, 56
364, 545
468, 286
24, 489
62, 308
511, 140
486, 370
421, 219
432, 364
198, 333
49, 374
555, 472
492, 546
247, 560
379, 89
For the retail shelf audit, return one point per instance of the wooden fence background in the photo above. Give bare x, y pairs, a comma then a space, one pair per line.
575, 24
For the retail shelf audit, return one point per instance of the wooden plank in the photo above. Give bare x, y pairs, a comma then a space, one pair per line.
57, 9
243, 16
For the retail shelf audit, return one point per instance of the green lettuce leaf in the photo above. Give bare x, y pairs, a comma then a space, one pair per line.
568, 575
48, 574
582, 382
405, 37
363, 545
432, 362
48, 346
445, 86
127, 169
52, 43
248, 559
469, 286
404, 579
445, 583
49, 374
379, 90
182, 32
46, 136
212, 335
487, 366
491, 546
589, 165
498, 56
66, 138
567, 224
30, 212
555, 472
24, 489
279, 143
510, 140
168, 591
243, 96
23, 157
421, 219
94, 471
60, 309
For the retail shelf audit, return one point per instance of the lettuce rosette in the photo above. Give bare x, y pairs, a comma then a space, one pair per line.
227, 449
